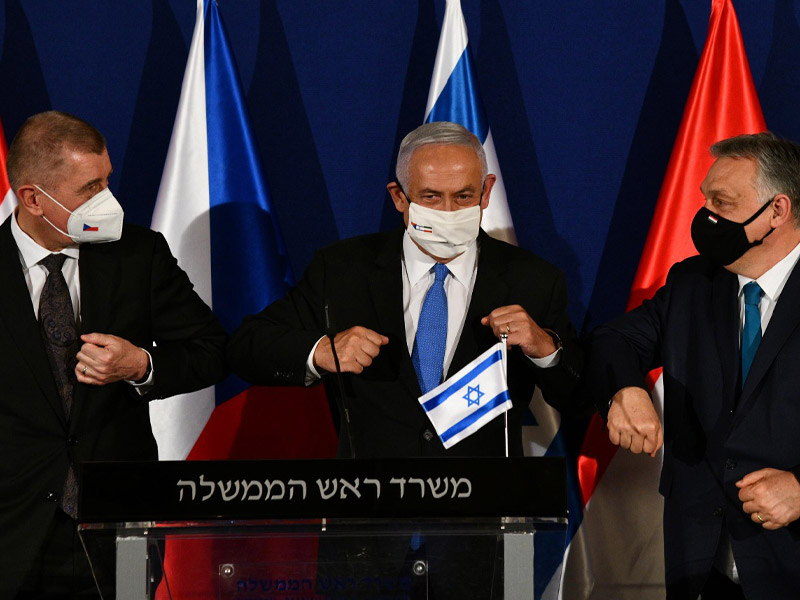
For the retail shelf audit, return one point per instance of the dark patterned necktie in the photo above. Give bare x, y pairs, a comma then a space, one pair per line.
60, 334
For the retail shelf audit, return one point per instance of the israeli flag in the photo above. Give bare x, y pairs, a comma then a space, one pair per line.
469, 399
454, 96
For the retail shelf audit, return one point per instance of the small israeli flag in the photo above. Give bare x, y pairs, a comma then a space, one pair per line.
469, 399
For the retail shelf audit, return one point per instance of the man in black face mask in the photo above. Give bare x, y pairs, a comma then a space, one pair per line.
726, 330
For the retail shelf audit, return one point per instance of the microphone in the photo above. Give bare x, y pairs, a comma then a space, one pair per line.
344, 404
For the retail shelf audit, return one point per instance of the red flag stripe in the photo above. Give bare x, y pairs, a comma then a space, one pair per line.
4, 185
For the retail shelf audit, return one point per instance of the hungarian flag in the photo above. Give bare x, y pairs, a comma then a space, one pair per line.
624, 508
8, 201
214, 209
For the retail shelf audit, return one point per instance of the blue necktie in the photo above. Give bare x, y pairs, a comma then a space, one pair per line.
431, 339
751, 332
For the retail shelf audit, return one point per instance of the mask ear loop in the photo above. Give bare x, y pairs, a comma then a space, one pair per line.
48, 221
754, 217
53, 199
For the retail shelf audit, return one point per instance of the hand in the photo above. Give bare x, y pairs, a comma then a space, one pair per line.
107, 358
522, 331
772, 495
633, 423
356, 348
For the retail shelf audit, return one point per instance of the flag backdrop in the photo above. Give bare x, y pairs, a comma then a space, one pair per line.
7, 198
454, 96
722, 103
214, 209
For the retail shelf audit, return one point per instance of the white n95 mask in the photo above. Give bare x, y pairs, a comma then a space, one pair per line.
99, 219
443, 233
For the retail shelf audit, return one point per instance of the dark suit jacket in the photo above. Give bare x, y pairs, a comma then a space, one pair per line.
134, 289
715, 431
360, 282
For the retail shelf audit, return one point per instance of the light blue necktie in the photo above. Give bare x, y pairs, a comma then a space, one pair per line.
429, 346
751, 332
431, 339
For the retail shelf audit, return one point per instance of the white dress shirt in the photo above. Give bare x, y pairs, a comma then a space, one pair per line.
30, 255
772, 283
418, 277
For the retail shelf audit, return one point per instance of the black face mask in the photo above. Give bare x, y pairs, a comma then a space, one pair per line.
721, 240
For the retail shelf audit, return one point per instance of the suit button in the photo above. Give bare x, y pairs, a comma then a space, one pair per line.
72, 441
51, 497
718, 511
730, 464
427, 435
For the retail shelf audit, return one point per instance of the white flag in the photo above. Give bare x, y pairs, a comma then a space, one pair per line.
469, 399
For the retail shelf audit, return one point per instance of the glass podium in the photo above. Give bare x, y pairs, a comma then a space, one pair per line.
327, 529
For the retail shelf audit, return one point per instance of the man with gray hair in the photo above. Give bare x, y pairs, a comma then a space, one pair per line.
404, 309
407, 307
726, 330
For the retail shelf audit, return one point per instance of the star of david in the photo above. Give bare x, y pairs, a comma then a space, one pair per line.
473, 390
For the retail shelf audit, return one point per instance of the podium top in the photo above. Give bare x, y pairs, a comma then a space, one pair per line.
310, 489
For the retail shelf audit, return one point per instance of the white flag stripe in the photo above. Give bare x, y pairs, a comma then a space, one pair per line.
182, 215
496, 219
7, 206
182, 206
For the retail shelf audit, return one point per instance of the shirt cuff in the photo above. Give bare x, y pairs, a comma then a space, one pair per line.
142, 387
546, 362
312, 375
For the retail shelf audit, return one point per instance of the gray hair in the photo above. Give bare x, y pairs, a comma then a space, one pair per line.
438, 132
777, 164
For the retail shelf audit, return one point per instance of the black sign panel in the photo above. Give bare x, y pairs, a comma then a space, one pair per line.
390, 488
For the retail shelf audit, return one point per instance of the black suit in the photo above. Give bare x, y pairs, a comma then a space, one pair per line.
360, 282
133, 289
715, 431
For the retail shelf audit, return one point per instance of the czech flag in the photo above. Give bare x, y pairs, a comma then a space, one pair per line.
214, 209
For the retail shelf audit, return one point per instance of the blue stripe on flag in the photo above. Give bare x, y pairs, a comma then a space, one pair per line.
249, 268
442, 396
501, 398
460, 101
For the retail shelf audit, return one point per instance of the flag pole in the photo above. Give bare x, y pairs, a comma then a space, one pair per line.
504, 361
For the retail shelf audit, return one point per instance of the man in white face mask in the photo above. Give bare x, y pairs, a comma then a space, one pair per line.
404, 309
371, 293
96, 319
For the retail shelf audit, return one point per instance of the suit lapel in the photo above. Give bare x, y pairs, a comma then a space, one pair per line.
489, 292
99, 277
726, 331
19, 318
386, 288
782, 324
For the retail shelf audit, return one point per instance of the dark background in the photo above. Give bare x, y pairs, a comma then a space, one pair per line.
584, 99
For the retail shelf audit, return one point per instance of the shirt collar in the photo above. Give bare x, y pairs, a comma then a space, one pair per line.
418, 264
773, 281
31, 252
